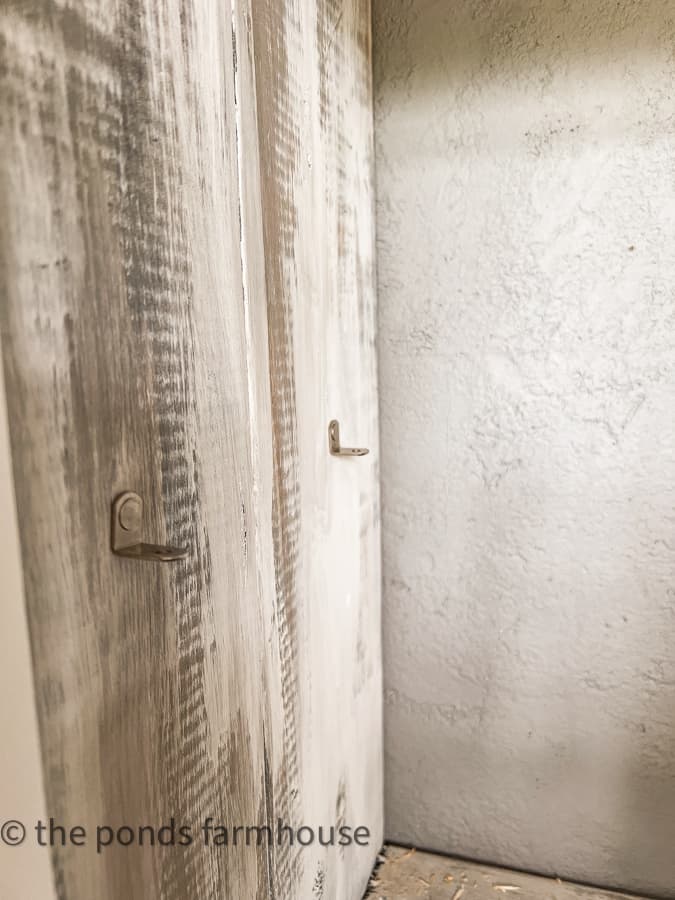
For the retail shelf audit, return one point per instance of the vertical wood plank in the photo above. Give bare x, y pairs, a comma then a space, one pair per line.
186, 267
313, 74
125, 351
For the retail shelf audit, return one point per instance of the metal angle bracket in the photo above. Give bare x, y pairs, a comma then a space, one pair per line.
127, 526
334, 443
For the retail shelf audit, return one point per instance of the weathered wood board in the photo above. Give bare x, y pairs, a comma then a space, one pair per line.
187, 299
313, 73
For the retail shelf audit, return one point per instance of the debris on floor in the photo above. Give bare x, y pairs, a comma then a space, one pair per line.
408, 874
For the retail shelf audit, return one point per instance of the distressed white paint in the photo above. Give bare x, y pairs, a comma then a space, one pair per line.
526, 213
169, 326
313, 71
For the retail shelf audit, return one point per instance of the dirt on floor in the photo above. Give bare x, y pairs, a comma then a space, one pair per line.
405, 874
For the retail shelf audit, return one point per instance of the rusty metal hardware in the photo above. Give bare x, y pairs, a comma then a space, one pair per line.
127, 525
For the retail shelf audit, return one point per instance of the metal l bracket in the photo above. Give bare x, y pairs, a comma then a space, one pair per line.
334, 443
127, 523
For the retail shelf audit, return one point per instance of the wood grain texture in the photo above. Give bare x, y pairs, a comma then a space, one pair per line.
186, 271
125, 347
315, 121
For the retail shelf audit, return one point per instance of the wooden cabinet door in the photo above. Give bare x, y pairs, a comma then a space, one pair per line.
187, 299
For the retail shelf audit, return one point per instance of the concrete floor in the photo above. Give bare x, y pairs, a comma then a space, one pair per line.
413, 875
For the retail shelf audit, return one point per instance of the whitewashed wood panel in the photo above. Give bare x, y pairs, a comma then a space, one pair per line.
313, 70
171, 326
126, 355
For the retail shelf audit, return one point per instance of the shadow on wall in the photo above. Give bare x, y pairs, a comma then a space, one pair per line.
471, 43
479, 53
526, 207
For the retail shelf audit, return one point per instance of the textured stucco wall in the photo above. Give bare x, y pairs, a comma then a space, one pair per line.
526, 216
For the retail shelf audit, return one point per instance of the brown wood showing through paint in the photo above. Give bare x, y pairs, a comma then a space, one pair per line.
186, 266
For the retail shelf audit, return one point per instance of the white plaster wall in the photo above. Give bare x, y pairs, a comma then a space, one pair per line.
526, 216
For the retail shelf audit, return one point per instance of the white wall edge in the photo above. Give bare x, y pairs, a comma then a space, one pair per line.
25, 870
